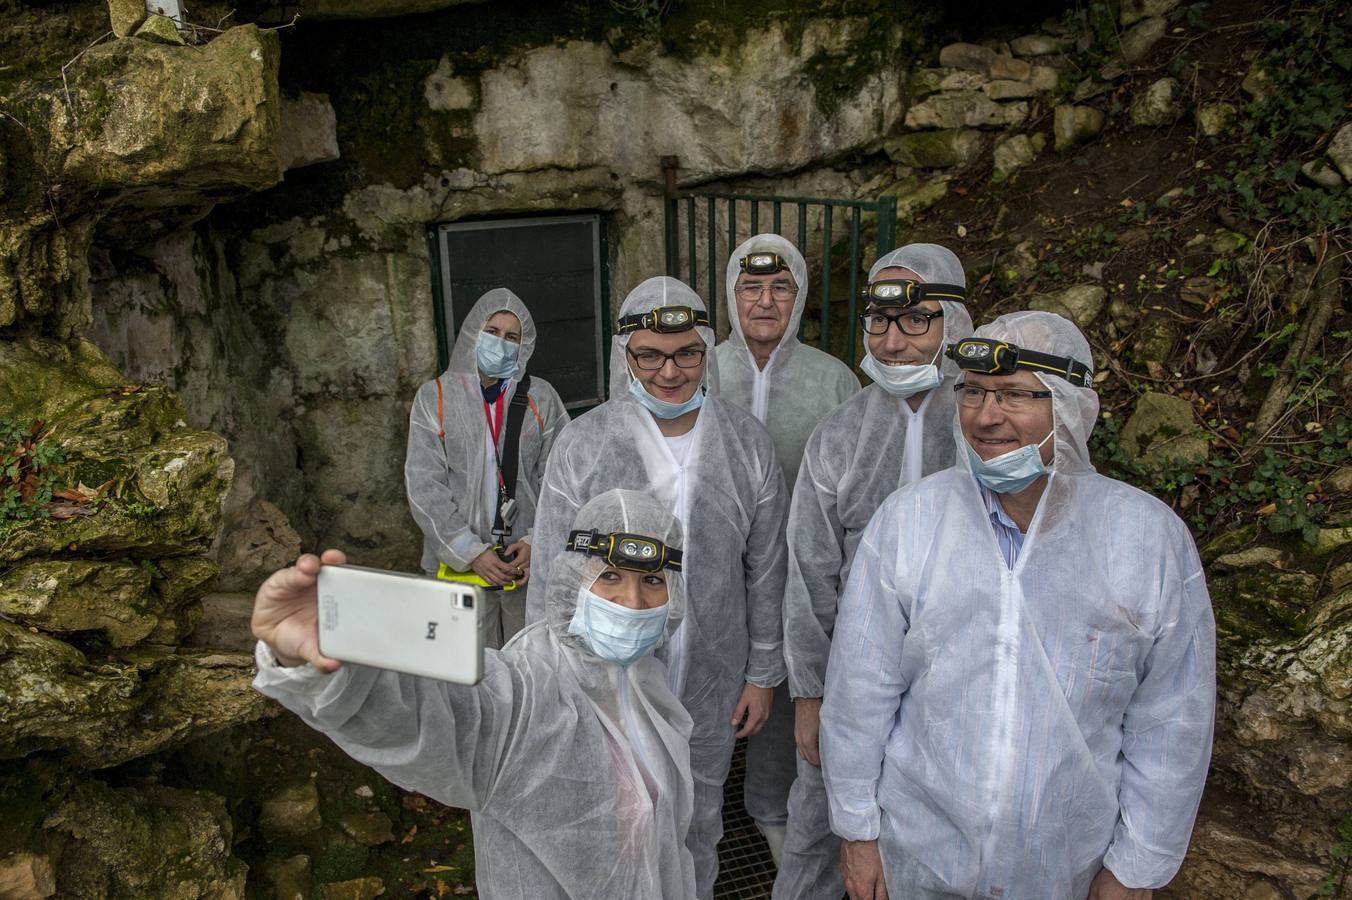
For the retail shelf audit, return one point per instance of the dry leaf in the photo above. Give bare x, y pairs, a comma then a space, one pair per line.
409, 836
435, 869
1267, 510
64, 509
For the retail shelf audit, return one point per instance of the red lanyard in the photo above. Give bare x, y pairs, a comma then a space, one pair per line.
494, 416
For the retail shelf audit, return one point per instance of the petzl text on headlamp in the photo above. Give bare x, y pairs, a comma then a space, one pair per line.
633, 552
763, 263
990, 357
905, 292
664, 320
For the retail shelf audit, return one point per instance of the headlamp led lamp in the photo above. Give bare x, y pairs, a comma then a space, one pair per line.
663, 320
763, 263
990, 357
631, 552
903, 292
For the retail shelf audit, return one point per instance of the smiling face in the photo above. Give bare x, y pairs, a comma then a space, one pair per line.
632, 590
992, 430
505, 325
893, 348
670, 383
765, 305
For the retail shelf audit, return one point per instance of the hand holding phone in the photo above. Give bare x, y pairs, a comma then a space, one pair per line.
286, 611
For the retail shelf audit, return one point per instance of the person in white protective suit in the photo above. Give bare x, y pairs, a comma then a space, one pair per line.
789, 387
1021, 688
571, 754
459, 428
713, 465
887, 435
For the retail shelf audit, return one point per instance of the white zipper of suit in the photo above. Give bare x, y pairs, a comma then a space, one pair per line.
637, 746
913, 454
760, 386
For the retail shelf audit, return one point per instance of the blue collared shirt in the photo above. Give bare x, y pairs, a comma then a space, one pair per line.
1007, 534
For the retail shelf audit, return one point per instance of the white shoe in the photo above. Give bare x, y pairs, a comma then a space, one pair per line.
774, 837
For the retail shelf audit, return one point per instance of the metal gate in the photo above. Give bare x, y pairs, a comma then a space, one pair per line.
710, 218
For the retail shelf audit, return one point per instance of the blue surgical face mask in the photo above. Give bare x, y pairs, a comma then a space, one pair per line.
661, 408
616, 633
496, 357
1009, 472
902, 381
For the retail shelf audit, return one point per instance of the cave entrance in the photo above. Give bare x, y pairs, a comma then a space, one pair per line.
557, 266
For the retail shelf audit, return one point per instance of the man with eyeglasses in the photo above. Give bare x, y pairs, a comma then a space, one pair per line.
1021, 688
713, 465
789, 387
890, 434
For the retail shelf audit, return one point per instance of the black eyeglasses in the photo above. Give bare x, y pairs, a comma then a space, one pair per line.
652, 360
913, 322
1008, 399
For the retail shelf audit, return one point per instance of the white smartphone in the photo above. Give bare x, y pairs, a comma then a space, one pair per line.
408, 623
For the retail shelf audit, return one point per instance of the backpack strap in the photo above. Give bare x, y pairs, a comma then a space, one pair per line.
511, 457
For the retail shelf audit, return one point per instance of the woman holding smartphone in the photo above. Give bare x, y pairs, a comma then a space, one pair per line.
572, 754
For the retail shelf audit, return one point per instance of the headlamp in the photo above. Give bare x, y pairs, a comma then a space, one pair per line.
763, 263
907, 292
632, 552
663, 320
991, 357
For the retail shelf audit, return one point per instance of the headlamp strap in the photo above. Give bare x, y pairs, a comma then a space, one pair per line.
652, 320
912, 292
993, 357
593, 543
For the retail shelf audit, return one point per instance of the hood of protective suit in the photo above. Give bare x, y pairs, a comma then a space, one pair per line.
495, 301
632, 512
1074, 409
933, 264
768, 243
649, 295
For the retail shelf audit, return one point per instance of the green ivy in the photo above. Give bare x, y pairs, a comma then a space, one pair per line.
27, 457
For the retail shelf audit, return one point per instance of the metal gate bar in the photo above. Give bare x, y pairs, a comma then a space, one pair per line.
885, 208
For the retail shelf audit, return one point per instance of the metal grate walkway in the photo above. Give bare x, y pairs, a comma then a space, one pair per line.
745, 869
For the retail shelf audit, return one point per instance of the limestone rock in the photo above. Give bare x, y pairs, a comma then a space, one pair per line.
225, 623
1074, 125
445, 92
1135, 10
260, 542
1258, 83
1340, 480
1044, 78
370, 829
1142, 37
1155, 338
26, 876
1016, 265
971, 57
1013, 154
367, 888
1214, 119
61, 596
146, 842
935, 149
1080, 303
290, 877
1322, 173
1009, 90
1340, 151
916, 194
173, 123
1159, 104
161, 30
1331, 539
1011, 69
292, 813
1163, 429
1253, 557
53, 697
309, 131
964, 109
125, 15
1038, 45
